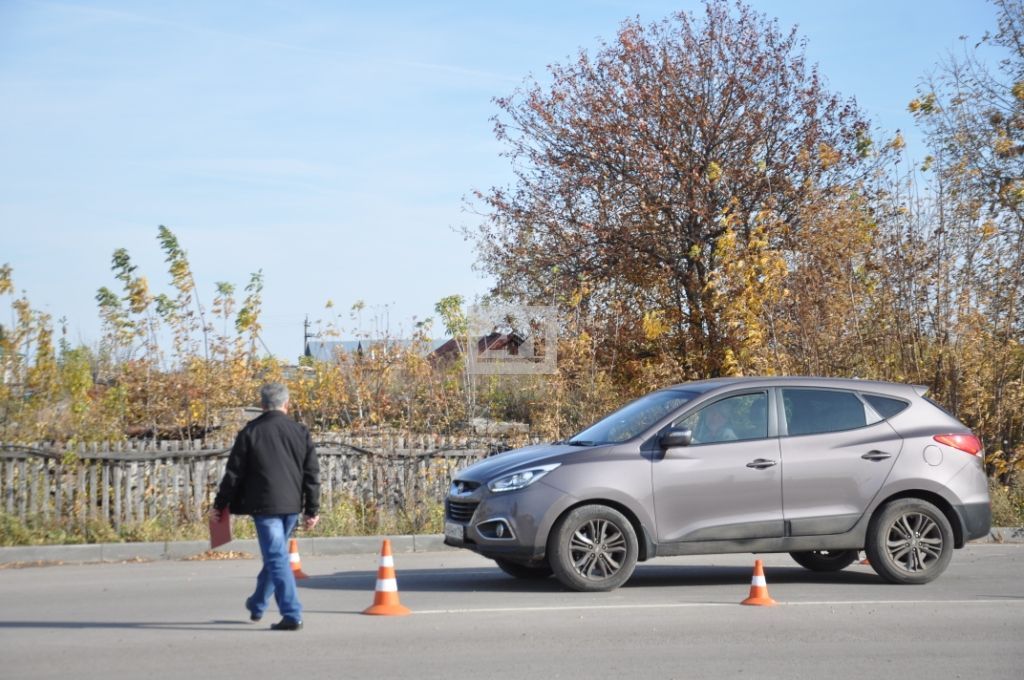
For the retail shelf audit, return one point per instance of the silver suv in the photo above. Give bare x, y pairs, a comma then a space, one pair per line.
818, 468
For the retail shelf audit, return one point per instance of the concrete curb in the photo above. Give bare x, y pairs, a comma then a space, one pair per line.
327, 545
177, 550
1003, 535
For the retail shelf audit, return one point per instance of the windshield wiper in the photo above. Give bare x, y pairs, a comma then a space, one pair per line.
580, 442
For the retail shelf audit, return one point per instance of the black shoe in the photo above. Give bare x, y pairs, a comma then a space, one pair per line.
253, 616
286, 624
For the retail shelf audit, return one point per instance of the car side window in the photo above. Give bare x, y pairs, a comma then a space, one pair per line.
815, 411
744, 416
887, 407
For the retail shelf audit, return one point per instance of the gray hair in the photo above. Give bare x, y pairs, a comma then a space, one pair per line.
273, 396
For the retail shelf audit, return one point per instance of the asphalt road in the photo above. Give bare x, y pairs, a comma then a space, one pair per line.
677, 618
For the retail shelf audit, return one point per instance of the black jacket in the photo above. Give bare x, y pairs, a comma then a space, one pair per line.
272, 469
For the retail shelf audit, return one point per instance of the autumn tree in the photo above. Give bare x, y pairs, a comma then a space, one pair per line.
667, 174
177, 391
973, 115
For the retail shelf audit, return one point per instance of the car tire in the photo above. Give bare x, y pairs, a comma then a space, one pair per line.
825, 560
535, 572
593, 548
909, 542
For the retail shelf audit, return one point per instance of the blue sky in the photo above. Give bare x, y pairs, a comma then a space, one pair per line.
330, 144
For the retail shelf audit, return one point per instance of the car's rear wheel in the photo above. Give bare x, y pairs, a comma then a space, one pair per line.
825, 560
593, 548
909, 541
524, 571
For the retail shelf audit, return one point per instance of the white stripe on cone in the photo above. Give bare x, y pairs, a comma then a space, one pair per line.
387, 561
387, 585
758, 581
293, 557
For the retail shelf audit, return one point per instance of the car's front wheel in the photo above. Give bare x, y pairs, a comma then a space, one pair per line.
524, 571
825, 560
909, 541
593, 548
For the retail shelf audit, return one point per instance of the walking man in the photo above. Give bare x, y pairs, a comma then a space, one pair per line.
273, 475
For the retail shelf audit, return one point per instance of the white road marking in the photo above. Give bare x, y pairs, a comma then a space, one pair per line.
688, 605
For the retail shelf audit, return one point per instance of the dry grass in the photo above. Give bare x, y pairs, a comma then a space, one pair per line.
1007, 502
220, 555
348, 517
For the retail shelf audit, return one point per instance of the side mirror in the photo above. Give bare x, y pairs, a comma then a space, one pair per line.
674, 437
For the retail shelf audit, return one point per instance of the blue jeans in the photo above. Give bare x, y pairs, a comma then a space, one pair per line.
276, 577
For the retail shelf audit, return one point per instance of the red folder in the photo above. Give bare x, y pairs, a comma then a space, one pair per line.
220, 532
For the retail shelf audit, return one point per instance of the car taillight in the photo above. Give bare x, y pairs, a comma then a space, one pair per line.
964, 442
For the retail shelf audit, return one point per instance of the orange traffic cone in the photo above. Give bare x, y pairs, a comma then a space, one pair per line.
759, 588
293, 557
385, 596
865, 560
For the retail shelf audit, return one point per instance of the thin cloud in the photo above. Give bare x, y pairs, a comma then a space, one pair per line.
196, 29
457, 70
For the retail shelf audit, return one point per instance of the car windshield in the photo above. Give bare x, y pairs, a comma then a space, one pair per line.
633, 418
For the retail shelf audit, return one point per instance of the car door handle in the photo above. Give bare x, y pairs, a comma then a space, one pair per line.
876, 455
761, 463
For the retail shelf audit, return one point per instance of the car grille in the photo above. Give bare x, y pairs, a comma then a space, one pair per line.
460, 511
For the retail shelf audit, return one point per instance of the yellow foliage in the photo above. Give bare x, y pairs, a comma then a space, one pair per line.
924, 105
714, 171
578, 295
1003, 145
828, 156
6, 282
749, 281
654, 324
730, 366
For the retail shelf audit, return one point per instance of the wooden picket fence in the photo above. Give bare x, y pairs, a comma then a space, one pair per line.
128, 482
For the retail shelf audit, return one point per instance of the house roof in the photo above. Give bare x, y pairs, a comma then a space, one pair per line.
498, 341
327, 350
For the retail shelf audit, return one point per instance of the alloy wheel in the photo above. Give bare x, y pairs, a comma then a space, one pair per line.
598, 549
914, 542
593, 548
909, 541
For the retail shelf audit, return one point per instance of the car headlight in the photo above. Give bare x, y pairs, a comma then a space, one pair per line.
521, 479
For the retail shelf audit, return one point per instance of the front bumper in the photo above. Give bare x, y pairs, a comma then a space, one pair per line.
526, 513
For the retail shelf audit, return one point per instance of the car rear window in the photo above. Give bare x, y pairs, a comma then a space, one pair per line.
887, 407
